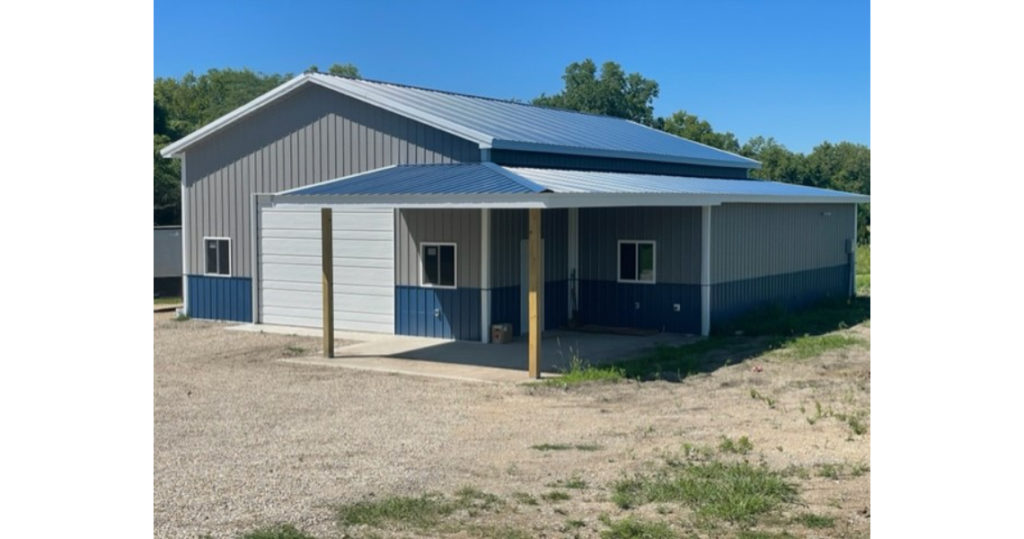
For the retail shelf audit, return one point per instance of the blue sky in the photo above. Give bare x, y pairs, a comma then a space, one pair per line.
798, 71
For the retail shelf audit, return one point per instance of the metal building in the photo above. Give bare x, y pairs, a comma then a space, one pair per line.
431, 192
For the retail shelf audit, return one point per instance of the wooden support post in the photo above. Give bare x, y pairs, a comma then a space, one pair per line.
327, 278
536, 259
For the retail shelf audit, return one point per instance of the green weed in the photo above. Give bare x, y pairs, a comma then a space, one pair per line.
735, 492
741, 446
279, 531
636, 528
811, 520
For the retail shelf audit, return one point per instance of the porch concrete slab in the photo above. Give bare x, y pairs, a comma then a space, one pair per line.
465, 360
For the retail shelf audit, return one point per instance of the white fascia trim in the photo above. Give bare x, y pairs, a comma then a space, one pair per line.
175, 148
483, 139
336, 180
619, 154
545, 200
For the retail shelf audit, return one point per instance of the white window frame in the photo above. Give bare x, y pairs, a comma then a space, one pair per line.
455, 264
618, 262
206, 270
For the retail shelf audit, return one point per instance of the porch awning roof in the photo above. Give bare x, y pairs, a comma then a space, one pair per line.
485, 185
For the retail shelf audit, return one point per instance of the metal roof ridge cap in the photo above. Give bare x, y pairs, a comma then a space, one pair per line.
234, 115
696, 142
335, 180
529, 184
483, 139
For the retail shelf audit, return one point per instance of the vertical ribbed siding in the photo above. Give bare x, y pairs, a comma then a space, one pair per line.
756, 240
310, 136
413, 227
508, 230
514, 158
220, 298
438, 312
676, 231
793, 290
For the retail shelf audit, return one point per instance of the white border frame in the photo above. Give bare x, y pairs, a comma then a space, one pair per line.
230, 264
618, 262
455, 264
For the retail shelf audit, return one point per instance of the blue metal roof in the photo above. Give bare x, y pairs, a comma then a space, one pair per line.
489, 178
476, 178
582, 181
512, 125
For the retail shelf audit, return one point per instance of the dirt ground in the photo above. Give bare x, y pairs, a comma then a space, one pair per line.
243, 440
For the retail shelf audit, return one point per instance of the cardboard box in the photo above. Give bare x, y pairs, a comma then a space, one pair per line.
501, 333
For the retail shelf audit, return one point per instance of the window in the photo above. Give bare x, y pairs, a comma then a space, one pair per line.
636, 261
438, 264
218, 256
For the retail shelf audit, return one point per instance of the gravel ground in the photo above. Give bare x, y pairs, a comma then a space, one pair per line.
243, 440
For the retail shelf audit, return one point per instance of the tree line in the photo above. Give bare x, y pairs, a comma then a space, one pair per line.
181, 106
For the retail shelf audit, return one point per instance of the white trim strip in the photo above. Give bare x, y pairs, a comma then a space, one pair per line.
705, 271
485, 275
186, 238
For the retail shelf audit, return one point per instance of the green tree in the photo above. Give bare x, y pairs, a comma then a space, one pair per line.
691, 127
614, 93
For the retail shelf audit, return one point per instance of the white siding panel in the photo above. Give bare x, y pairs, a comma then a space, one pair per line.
363, 268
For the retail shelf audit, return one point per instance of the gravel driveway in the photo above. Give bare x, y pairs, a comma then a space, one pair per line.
243, 440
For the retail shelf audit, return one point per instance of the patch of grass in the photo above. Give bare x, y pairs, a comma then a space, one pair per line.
767, 400
573, 524
816, 345
279, 531
695, 452
829, 470
181, 317
588, 447
581, 372
735, 492
741, 446
864, 260
555, 496
292, 350
169, 300
811, 520
524, 498
421, 512
574, 482
863, 284
859, 469
636, 528
755, 534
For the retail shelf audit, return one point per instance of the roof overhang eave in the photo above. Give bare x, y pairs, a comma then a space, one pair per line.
553, 200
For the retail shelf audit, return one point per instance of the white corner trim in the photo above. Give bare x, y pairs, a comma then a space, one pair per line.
705, 271
485, 275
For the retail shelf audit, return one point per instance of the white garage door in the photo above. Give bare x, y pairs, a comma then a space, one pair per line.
364, 274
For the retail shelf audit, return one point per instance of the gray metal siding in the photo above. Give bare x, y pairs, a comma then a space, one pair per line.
310, 136
675, 229
509, 228
413, 227
579, 162
758, 240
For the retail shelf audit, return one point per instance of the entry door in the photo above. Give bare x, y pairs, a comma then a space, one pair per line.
524, 288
